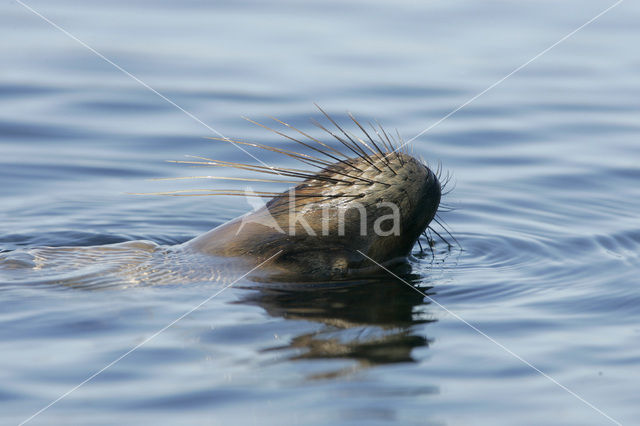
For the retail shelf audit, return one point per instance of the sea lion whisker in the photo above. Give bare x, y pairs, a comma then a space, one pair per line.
355, 144
370, 139
393, 148
342, 141
427, 235
359, 142
441, 237
293, 139
401, 142
212, 162
218, 193
440, 222
397, 142
392, 143
287, 152
386, 153
311, 164
324, 177
199, 157
446, 208
448, 191
210, 192
346, 161
261, 169
363, 142
275, 171
298, 173
316, 177
228, 178
393, 138
384, 144
375, 153
314, 140
445, 184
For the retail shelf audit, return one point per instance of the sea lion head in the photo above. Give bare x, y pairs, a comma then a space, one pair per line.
365, 206
351, 212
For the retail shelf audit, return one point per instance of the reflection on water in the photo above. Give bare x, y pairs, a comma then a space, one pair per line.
372, 322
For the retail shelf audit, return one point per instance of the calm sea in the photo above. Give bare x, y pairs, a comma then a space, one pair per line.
535, 321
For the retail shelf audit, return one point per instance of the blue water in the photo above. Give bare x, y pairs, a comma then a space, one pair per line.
546, 166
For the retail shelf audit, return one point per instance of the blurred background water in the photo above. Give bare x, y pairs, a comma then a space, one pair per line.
546, 167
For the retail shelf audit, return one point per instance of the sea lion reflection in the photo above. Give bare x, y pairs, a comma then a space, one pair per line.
372, 323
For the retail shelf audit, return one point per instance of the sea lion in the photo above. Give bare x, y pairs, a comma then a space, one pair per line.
368, 199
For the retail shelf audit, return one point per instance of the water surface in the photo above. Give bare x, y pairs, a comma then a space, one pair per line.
547, 196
